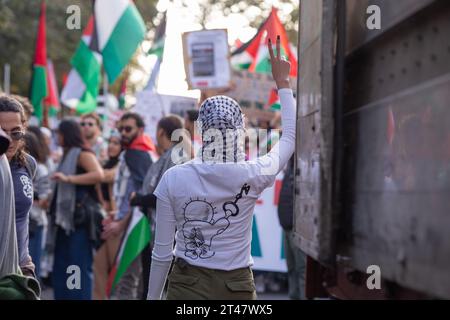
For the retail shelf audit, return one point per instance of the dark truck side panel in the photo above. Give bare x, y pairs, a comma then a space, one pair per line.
389, 203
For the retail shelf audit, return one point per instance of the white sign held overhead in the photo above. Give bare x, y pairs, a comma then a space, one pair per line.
207, 59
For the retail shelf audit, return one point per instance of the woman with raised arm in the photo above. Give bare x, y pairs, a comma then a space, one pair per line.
209, 201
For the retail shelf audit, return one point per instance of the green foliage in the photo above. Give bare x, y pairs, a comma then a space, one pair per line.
18, 30
256, 11
19, 21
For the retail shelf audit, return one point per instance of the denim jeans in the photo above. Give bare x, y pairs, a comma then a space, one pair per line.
35, 249
76, 250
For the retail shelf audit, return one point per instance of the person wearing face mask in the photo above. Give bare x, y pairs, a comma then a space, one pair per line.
207, 204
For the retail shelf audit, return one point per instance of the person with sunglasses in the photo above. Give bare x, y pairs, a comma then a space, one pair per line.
23, 167
134, 163
13, 284
92, 133
9, 260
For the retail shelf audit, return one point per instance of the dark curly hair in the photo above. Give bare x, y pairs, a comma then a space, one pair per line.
9, 104
133, 115
33, 147
41, 139
26, 104
72, 136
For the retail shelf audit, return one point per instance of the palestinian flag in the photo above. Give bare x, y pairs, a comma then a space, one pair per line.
120, 29
81, 88
51, 102
274, 101
38, 89
136, 238
254, 55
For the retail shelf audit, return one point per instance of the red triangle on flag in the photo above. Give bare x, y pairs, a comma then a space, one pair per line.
270, 29
40, 54
89, 27
273, 98
52, 98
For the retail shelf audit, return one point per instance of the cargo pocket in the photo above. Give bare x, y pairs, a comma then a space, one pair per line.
241, 285
182, 279
182, 287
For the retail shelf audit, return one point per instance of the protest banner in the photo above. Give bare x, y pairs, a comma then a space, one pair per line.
207, 59
252, 92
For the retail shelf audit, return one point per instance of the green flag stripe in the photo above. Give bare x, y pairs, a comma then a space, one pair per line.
87, 67
87, 103
38, 90
263, 65
127, 34
136, 241
256, 247
242, 66
275, 107
53, 112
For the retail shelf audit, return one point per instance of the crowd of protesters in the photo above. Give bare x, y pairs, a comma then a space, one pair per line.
67, 197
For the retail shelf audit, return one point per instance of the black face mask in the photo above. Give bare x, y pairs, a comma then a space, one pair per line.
4, 142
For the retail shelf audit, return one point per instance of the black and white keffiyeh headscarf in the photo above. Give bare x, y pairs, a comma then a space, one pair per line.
221, 117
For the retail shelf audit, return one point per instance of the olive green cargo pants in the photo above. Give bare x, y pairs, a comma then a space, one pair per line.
187, 282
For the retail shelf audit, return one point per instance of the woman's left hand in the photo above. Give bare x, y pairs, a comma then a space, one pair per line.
60, 177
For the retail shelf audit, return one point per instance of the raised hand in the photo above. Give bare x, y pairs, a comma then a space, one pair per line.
280, 66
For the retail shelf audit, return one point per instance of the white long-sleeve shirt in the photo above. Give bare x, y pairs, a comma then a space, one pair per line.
208, 208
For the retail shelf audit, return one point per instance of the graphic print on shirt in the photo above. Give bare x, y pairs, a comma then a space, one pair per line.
27, 186
203, 223
230, 207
